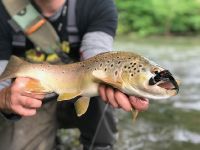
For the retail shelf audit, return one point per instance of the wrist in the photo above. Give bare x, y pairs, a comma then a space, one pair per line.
4, 106
4, 99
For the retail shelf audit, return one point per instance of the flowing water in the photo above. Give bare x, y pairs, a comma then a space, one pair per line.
167, 124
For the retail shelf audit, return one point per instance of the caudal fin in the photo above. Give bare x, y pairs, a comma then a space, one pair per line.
11, 68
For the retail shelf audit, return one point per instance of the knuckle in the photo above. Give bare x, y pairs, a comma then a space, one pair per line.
13, 99
27, 102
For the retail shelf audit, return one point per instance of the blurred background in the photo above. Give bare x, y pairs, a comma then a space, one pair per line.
167, 32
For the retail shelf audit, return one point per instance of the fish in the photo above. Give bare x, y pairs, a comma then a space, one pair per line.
128, 72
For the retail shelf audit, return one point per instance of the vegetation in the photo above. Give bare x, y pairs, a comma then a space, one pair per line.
159, 17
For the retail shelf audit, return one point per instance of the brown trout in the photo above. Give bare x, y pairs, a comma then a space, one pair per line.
129, 72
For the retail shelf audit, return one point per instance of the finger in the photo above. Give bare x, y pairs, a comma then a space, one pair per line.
28, 102
102, 92
138, 103
25, 111
123, 101
34, 95
110, 96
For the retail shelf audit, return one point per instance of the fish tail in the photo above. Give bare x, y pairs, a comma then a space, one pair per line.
11, 69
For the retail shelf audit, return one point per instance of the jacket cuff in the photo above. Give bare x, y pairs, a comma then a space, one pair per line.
11, 116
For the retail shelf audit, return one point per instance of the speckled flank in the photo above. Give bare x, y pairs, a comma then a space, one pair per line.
112, 63
115, 63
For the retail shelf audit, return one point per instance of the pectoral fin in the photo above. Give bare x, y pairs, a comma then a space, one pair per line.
34, 86
68, 96
81, 105
103, 76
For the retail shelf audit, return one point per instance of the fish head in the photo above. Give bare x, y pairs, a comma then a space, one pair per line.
149, 80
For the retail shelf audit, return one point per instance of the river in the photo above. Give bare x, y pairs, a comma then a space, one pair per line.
173, 123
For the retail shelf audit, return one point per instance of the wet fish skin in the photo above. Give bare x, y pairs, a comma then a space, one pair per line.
126, 71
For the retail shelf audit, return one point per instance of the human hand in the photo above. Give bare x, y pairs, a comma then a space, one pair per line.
17, 100
119, 100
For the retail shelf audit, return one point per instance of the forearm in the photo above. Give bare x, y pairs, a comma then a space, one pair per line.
94, 43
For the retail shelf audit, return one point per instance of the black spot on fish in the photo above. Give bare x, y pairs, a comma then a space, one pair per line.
111, 65
116, 72
125, 67
134, 68
105, 69
140, 65
129, 67
119, 62
101, 65
131, 74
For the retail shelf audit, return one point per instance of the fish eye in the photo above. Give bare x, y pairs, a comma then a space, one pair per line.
155, 70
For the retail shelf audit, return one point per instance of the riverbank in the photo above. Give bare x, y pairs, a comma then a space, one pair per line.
177, 41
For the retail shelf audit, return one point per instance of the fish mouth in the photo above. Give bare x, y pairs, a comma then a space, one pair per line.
164, 79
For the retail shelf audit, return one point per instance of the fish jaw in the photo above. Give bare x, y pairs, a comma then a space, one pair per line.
139, 86
148, 92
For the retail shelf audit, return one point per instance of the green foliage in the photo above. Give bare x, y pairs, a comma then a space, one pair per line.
149, 17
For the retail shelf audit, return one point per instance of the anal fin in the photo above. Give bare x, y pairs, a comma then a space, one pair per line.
81, 105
